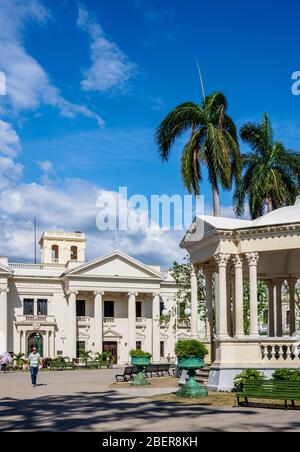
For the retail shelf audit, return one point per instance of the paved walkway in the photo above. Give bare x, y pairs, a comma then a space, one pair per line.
82, 401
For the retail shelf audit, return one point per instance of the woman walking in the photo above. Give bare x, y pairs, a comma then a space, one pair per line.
34, 362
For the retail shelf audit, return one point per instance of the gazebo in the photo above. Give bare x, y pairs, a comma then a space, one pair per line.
230, 251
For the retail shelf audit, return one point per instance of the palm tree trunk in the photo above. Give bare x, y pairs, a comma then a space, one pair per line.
216, 203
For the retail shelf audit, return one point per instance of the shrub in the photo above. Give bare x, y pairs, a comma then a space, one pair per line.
190, 347
245, 377
139, 353
286, 375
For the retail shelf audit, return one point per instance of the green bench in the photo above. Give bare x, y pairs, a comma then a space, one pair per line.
62, 366
270, 389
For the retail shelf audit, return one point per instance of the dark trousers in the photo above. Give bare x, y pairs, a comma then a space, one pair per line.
34, 373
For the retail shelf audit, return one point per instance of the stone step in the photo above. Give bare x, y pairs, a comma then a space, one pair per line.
202, 375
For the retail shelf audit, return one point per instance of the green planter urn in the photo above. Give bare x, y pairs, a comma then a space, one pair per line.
140, 362
192, 388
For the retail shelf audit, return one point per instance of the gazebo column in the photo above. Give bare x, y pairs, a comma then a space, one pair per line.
253, 261
194, 303
271, 309
156, 328
209, 303
3, 320
229, 306
222, 326
292, 286
279, 329
239, 297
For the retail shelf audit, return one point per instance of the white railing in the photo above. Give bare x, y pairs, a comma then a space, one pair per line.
35, 318
109, 320
85, 320
280, 352
27, 266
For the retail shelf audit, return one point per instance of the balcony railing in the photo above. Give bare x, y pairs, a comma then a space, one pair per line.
109, 320
141, 320
281, 351
83, 320
35, 319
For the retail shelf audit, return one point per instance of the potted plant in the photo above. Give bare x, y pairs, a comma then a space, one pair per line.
191, 354
140, 360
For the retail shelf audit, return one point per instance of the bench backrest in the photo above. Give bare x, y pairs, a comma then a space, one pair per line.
267, 386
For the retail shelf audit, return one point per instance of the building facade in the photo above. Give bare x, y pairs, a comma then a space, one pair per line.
113, 303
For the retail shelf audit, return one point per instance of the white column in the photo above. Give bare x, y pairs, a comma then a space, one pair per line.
239, 297
279, 329
23, 342
222, 327
292, 286
72, 320
209, 305
194, 304
52, 344
271, 309
253, 261
156, 328
98, 326
229, 311
3, 320
131, 321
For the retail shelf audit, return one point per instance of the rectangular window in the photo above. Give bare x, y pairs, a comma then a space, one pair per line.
28, 307
42, 307
109, 309
162, 349
138, 345
80, 345
288, 318
139, 309
80, 308
161, 307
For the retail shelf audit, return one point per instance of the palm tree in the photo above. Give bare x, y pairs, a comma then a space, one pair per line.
85, 355
271, 173
19, 360
213, 142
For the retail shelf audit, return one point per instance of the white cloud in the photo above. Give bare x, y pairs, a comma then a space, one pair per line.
72, 206
110, 68
28, 84
9, 140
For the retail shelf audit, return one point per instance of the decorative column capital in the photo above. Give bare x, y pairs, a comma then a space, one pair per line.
73, 292
4, 290
99, 292
133, 293
194, 270
156, 294
222, 259
238, 261
252, 259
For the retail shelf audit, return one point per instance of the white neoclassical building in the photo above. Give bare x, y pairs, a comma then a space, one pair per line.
230, 251
112, 303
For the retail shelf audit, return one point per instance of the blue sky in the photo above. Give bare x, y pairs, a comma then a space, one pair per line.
88, 82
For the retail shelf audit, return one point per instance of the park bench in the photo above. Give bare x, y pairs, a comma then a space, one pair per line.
62, 366
127, 375
270, 389
159, 370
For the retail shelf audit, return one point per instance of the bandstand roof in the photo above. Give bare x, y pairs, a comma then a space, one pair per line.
275, 236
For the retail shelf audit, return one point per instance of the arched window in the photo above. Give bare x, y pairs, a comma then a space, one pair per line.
55, 253
74, 253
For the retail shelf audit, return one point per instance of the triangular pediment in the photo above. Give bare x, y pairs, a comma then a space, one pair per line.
112, 334
5, 270
115, 265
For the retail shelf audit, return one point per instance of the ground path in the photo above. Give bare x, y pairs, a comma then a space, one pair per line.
83, 401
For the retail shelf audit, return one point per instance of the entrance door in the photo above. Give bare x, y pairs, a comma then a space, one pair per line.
35, 340
111, 347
